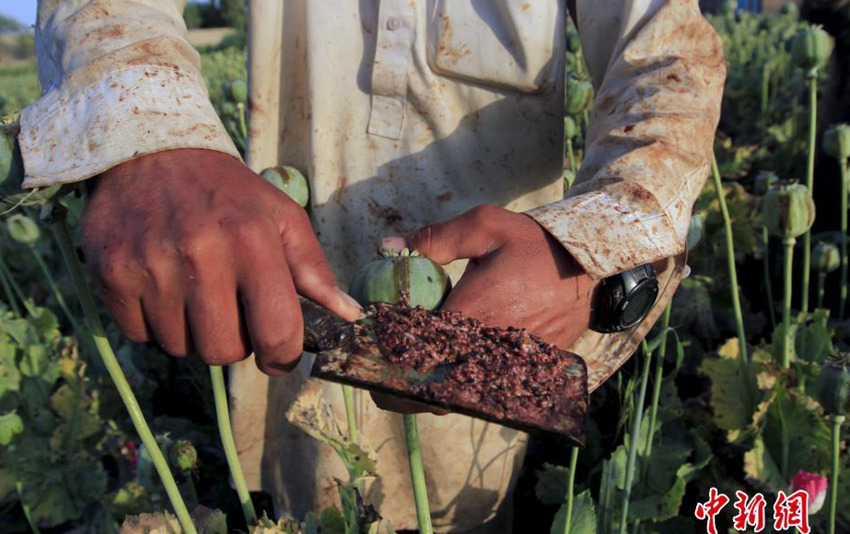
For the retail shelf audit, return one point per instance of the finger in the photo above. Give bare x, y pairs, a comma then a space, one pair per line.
310, 271
271, 308
470, 235
165, 312
214, 316
163, 297
392, 403
120, 287
127, 313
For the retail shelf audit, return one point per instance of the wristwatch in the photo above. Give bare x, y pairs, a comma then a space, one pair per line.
623, 300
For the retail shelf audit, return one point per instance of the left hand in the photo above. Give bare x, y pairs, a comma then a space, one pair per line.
518, 275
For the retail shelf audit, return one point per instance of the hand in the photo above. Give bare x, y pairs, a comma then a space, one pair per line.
191, 248
518, 275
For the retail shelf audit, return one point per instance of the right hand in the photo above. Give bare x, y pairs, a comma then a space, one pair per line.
191, 248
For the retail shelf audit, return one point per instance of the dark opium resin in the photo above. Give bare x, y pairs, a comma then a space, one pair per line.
506, 373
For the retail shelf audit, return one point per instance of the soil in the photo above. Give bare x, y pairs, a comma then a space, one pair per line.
507, 373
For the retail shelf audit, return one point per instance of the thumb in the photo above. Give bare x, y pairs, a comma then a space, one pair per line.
474, 234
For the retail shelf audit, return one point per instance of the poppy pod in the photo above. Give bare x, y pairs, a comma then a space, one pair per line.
788, 210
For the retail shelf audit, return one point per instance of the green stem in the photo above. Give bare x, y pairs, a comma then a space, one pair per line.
348, 398
54, 288
844, 264
633, 438
810, 180
768, 286
786, 305
7, 288
95, 329
784, 442
606, 490
26, 508
837, 421
765, 88
225, 431
656, 392
417, 474
571, 154
570, 490
242, 124
16, 289
733, 273
821, 288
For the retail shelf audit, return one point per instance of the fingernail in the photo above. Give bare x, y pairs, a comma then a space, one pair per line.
348, 299
393, 244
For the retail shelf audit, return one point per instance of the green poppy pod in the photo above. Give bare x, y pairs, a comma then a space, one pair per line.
834, 384
790, 9
569, 178
573, 41
570, 128
764, 181
579, 95
236, 91
290, 181
836, 141
696, 230
826, 257
788, 210
398, 275
10, 158
810, 48
12, 194
23, 229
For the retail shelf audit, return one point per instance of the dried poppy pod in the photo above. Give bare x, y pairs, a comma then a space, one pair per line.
810, 48
826, 257
183, 455
836, 141
290, 181
579, 95
834, 384
764, 181
788, 210
23, 229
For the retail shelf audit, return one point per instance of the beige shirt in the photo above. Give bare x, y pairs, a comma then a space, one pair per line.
403, 113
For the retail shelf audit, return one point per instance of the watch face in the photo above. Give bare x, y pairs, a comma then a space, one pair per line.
640, 302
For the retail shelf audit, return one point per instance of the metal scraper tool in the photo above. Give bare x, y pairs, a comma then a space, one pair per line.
349, 353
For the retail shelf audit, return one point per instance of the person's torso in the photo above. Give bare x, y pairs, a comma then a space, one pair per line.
407, 112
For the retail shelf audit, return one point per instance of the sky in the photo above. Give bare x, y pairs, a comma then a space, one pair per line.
21, 10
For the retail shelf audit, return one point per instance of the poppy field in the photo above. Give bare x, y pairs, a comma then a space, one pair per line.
731, 414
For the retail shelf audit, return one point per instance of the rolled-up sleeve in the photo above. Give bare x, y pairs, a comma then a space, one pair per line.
120, 80
659, 70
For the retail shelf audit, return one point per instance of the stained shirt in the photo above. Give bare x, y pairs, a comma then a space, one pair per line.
404, 113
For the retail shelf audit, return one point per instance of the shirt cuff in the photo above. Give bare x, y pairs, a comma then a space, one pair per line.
607, 234
67, 138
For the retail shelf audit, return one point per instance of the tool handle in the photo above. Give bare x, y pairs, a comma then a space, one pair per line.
323, 329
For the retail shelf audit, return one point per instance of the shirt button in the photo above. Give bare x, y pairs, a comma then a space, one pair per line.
393, 23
